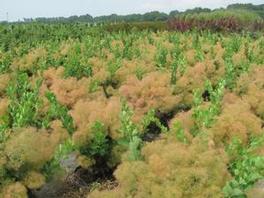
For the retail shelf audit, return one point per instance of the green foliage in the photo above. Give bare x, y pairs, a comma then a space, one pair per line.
150, 118
128, 128
181, 64
205, 116
174, 68
232, 46
230, 75
199, 54
23, 108
113, 66
94, 85
216, 94
128, 50
134, 148
178, 63
179, 132
4, 126
241, 15
198, 48
74, 68
139, 72
150, 39
130, 133
249, 53
117, 51
58, 111
5, 61
76, 46
235, 43
246, 167
99, 144
61, 153
232, 72
161, 57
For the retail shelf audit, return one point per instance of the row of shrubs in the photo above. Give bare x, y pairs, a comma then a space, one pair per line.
220, 20
226, 24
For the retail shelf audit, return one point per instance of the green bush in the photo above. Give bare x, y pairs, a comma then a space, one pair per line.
23, 108
246, 167
58, 111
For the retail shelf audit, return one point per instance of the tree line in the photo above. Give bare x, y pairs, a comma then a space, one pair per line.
149, 16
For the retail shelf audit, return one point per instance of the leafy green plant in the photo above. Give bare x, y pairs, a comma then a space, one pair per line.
230, 74
161, 57
246, 167
4, 126
128, 128
128, 48
24, 101
76, 64
135, 145
235, 43
130, 134
216, 94
117, 50
99, 144
249, 52
199, 54
150, 118
74, 68
198, 48
94, 85
174, 68
178, 63
139, 72
113, 66
150, 39
61, 153
205, 116
5, 61
58, 111
179, 132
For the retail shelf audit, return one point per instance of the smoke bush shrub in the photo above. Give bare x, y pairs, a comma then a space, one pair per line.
172, 169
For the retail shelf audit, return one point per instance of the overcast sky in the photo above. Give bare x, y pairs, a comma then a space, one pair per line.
19, 9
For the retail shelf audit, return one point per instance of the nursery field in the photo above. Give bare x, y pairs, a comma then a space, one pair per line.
91, 113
